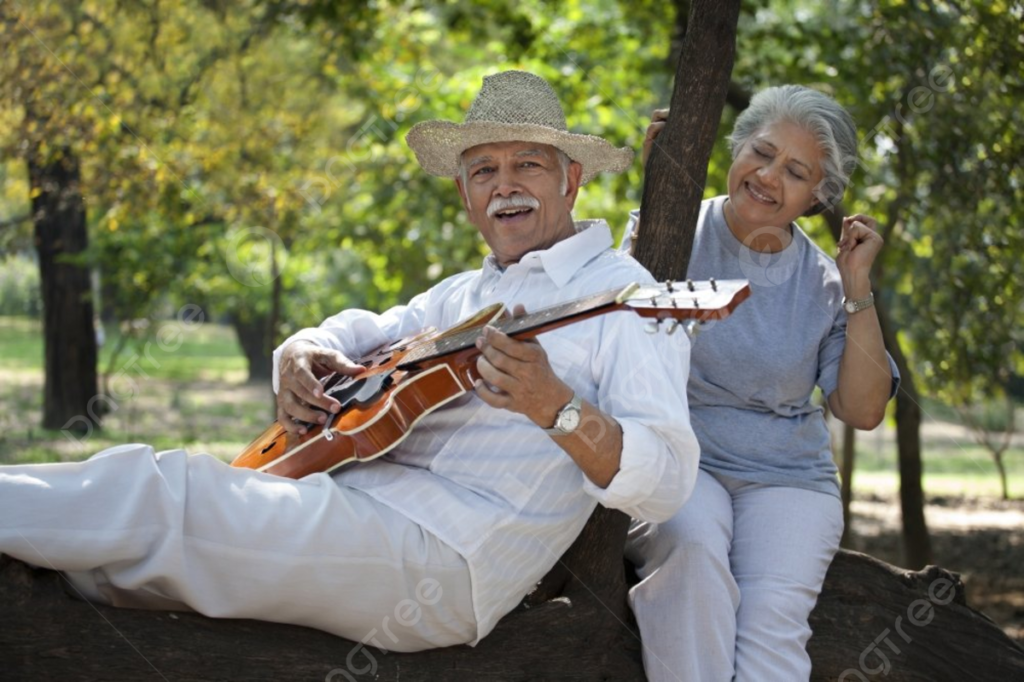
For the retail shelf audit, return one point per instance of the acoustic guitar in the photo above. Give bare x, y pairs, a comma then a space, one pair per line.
404, 381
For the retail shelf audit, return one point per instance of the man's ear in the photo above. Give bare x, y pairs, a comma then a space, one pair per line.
462, 192
572, 183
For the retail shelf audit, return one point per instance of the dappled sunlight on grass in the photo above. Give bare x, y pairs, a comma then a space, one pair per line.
186, 391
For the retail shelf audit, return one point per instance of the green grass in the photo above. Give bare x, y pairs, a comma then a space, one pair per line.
887, 484
172, 351
19, 343
179, 387
952, 464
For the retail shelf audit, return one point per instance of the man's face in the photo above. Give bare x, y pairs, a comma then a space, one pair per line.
512, 194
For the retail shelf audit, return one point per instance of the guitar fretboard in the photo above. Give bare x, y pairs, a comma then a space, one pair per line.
563, 312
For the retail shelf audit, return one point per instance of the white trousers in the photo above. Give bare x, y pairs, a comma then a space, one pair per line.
134, 528
727, 585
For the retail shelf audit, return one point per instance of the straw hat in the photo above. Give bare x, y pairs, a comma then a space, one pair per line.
513, 106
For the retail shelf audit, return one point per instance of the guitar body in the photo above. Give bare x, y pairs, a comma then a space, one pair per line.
380, 407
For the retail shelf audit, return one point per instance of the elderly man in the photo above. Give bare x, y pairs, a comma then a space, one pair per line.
430, 544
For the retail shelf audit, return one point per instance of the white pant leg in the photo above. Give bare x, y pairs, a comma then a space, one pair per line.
685, 603
783, 542
141, 529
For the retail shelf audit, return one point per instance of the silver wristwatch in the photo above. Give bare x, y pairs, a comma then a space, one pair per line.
852, 307
568, 418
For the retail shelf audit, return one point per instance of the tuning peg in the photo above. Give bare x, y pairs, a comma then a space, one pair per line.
668, 286
691, 327
689, 285
671, 326
714, 284
651, 327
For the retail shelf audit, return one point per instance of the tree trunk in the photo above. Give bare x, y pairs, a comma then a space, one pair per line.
917, 544
254, 338
58, 213
1001, 466
872, 621
849, 453
677, 168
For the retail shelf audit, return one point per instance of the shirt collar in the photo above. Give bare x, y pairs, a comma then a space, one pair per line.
564, 259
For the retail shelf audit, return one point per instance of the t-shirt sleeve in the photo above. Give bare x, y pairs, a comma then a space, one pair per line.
830, 352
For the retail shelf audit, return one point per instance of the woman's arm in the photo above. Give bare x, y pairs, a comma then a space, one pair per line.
865, 379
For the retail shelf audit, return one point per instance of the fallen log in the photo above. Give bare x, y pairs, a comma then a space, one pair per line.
873, 621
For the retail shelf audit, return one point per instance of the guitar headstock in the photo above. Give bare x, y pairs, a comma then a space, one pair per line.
689, 300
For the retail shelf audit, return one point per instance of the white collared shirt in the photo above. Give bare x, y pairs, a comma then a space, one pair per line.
489, 482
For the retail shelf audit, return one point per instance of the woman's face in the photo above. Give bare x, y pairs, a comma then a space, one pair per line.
772, 178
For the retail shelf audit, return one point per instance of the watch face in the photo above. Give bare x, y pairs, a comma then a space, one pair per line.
569, 420
850, 307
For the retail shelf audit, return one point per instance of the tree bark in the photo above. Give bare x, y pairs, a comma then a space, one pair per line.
254, 338
846, 472
870, 618
58, 213
677, 168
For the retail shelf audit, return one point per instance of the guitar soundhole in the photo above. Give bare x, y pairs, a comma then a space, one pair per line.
268, 448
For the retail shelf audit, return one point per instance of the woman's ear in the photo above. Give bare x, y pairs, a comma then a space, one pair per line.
817, 207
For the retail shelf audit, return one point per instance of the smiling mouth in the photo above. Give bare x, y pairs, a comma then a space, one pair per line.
509, 215
759, 196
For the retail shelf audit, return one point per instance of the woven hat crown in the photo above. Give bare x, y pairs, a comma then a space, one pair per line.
517, 97
512, 106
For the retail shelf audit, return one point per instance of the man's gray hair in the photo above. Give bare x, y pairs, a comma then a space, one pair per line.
820, 115
563, 161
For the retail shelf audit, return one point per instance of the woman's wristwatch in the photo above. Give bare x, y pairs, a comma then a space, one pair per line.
852, 307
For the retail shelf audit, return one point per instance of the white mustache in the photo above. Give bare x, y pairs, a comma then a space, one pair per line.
514, 201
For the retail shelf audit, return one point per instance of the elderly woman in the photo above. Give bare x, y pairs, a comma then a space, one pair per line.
728, 584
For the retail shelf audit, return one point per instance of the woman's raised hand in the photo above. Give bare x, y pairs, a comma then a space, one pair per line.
658, 119
859, 244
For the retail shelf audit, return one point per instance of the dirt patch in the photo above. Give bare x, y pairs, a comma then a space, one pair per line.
982, 539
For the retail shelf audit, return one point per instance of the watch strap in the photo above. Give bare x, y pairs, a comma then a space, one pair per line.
858, 305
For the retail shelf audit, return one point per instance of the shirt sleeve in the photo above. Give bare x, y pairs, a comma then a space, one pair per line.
642, 384
357, 332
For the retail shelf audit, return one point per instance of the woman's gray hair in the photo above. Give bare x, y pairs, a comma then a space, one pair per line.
820, 115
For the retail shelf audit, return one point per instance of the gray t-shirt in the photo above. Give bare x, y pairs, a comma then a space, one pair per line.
753, 374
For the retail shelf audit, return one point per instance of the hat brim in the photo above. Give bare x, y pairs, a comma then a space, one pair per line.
439, 145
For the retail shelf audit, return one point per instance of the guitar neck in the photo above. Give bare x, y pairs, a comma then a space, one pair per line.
522, 327
700, 301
